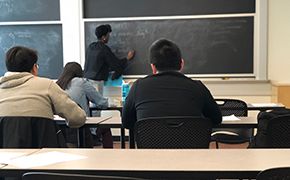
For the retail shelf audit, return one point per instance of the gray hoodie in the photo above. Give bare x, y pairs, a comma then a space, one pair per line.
23, 94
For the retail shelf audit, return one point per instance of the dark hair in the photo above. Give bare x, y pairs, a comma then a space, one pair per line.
165, 55
102, 30
70, 71
20, 59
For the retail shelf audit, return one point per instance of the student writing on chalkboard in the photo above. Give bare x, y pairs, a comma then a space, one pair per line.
100, 60
168, 92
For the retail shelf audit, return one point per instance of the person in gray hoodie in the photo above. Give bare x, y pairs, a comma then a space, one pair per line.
24, 94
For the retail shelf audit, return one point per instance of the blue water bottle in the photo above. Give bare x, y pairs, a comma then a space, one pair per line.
125, 91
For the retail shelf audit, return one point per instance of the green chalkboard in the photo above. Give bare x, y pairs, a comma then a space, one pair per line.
46, 39
209, 45
29, 10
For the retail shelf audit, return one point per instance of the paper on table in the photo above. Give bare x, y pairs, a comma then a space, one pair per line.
43, 159
231, 118
6, 156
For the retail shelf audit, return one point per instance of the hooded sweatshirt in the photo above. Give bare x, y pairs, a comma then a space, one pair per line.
26, 95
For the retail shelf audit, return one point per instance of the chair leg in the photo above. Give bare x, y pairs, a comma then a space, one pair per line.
216, 144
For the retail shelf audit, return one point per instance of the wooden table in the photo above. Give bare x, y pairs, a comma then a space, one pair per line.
165, 164
264, 106
113, 108
9, 154
251, 107
115, 122
90, 122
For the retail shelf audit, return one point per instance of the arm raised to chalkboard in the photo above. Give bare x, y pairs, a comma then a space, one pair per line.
116, 64
130, 54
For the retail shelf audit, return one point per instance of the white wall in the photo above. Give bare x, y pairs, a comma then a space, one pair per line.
279, 41
71, 30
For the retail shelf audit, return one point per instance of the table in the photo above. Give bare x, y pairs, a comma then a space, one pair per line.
264, 106
9, 154
90, 122
251, 107
113, 108
115, 122
164, 164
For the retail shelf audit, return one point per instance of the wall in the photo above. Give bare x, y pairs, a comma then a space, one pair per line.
279, 41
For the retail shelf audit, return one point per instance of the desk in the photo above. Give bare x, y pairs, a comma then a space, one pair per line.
115, 122
94, 108
251, 107
264, 106
114, 125
9, 154
166, 164
90, 122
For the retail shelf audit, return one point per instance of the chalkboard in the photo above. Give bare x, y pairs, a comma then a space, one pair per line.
137, 8
209, 46
29, 10
46, 39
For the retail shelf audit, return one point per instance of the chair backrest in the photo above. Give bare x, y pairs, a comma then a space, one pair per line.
279, 173
238, 108
61, 176
232, 106
278, 132
30, 132
173, 132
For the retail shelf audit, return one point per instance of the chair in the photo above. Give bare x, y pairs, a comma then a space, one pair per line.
61, 176
229, 135
173, 132
278, 132
279, 173
30, 132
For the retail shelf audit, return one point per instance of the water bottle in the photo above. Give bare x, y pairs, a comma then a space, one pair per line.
125, 91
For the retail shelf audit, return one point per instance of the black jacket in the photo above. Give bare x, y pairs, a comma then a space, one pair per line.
100, 60
30, 132
168, 94
260, 139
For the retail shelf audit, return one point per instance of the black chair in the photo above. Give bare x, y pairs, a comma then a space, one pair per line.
61, 176
278, 132
173, 132
279, 173
232, 135
30, 132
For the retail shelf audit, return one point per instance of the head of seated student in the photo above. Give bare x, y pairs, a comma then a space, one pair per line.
103, 32
165, 55
70, 71
22, 59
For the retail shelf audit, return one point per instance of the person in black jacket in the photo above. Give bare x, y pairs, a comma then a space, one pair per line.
100, 60
168, 92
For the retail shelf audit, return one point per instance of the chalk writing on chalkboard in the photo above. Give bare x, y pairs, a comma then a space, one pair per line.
46, 39
209, 45
29, 10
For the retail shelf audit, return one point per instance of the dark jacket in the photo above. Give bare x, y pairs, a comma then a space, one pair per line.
168, 94
30, 132
260, 140
100, 60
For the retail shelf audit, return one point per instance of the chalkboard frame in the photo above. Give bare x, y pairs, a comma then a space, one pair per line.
260, 40
209, 75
